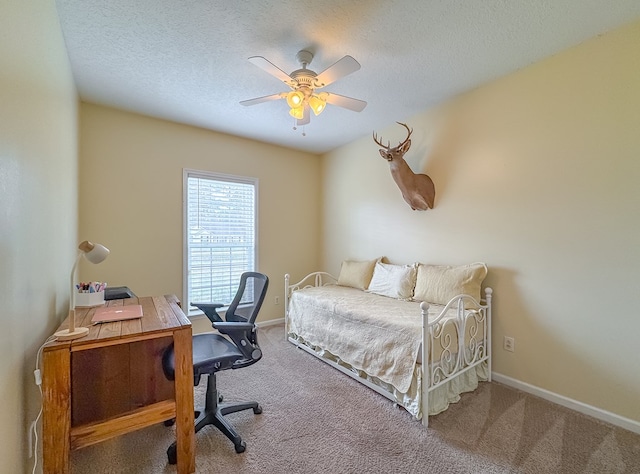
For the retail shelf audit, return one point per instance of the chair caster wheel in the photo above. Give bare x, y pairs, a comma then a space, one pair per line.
257, 410
241, 447
172, 454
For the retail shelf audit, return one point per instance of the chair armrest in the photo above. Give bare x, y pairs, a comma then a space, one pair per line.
232, 327
244, 336
209, 310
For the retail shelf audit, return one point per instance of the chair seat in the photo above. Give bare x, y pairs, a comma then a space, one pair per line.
211, 353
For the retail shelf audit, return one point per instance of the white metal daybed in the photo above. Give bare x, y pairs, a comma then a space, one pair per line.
378, 340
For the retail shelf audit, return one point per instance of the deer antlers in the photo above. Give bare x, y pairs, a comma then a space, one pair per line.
388, 146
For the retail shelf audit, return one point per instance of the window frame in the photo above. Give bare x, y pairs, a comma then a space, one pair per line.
215, 176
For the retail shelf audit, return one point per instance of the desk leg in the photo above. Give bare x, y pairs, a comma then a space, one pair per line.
56, 410
185, 432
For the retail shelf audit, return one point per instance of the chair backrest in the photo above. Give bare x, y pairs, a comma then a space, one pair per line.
249, 298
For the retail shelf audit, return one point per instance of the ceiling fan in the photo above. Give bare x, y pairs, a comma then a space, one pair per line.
304, 83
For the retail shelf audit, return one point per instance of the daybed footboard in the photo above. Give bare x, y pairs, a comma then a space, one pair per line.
455, 342
454, 345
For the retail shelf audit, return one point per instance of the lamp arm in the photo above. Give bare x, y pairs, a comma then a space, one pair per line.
72, 295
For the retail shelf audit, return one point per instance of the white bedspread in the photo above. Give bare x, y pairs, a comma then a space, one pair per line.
376, 334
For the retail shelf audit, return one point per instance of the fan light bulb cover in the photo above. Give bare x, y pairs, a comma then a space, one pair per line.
295, 99
317, 104
297, 112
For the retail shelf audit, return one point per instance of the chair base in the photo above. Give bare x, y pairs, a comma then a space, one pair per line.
213, 414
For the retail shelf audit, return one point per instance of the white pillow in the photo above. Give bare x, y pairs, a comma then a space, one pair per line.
439, 283
356, 274
394, 281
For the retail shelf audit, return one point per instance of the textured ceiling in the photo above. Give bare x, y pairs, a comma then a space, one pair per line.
186, 60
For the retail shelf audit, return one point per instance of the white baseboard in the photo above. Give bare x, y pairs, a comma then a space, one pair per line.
598, 413
271, 322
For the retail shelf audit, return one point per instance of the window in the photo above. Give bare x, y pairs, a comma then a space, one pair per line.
220, 215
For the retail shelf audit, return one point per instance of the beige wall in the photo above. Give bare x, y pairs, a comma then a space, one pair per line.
38, 206
537, 175
131, 200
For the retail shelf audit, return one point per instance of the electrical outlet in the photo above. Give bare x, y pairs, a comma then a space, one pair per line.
276, 300
509, 344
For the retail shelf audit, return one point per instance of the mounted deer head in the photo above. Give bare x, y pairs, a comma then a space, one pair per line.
417, 189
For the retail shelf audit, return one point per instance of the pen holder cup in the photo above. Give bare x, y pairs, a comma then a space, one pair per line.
87, 300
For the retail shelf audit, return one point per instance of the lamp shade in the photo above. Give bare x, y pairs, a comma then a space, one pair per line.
95, 253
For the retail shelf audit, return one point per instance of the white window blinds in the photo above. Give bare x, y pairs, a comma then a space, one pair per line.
220, 227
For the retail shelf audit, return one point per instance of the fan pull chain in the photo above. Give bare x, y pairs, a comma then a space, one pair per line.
304, 133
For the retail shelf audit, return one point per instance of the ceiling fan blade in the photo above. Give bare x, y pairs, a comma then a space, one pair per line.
271, 68
266, 98
306, 118
341, 68
346, 102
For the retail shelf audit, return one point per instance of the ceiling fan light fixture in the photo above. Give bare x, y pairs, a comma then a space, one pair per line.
295, 99
317, 104
297, 112
303, 96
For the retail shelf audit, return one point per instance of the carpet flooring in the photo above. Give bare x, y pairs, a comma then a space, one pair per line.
318, 420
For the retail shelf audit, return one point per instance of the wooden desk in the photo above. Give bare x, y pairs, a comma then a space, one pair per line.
110, 382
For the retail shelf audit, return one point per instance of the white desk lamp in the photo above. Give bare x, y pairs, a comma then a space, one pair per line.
95, 253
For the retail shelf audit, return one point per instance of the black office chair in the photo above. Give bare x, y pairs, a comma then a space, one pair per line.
214, 352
